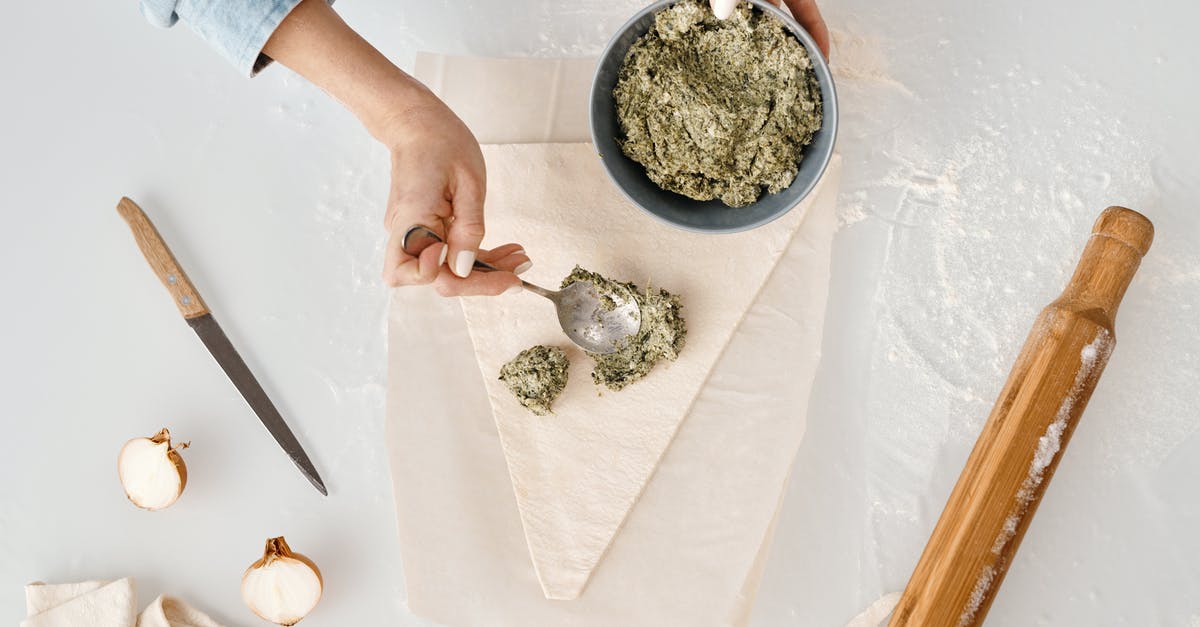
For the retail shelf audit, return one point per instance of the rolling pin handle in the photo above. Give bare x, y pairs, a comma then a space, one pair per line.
1120, 237
1126, 226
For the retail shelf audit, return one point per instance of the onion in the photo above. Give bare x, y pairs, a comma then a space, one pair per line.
152, 472
282, 587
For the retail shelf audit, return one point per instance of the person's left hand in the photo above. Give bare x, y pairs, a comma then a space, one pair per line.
805, 12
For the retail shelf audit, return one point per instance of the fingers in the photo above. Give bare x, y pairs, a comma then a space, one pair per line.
400, 268
478, 284
429, 267
466, 230
809, 15
509, 260
510, 257
805, 12
416, 197
722, 9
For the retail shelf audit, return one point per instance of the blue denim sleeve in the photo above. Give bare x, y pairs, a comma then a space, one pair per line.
237, 29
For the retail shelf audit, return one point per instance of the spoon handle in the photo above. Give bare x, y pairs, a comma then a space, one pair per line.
540, 291
536, 289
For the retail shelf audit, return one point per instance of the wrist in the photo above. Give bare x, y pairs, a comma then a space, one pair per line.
401, 113
314, 42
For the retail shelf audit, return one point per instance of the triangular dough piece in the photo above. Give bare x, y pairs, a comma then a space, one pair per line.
576, 474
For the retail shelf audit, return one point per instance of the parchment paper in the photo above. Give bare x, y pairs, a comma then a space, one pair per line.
691, 550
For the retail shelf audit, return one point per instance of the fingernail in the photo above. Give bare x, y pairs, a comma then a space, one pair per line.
523, 267
442, 257
463, 262
514, 289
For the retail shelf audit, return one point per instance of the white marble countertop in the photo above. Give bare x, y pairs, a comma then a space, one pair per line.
980, 143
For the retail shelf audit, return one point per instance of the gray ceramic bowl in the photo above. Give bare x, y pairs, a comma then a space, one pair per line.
711, 216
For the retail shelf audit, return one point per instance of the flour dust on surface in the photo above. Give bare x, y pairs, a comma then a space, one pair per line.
982, 212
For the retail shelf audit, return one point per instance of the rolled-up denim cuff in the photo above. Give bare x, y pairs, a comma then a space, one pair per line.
237, 29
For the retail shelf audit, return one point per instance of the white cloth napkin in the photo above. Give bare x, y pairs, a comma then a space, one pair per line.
692, 550
104, 604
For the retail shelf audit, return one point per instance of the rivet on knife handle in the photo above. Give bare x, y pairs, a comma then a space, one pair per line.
155, 250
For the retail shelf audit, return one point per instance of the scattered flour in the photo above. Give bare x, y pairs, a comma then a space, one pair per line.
978, 594
349, 216
1092, 358
851, 209
984, 222
981, 211
860, 59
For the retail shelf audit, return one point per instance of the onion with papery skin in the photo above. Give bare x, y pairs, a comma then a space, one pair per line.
151, 471
282, 587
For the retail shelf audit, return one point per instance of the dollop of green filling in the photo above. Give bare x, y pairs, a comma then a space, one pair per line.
718, 108
661, 336
536, 376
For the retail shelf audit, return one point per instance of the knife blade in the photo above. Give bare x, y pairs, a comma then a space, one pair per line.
198, 316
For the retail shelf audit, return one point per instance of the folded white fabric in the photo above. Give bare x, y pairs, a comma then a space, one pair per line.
104, 604
168, 611
94, 603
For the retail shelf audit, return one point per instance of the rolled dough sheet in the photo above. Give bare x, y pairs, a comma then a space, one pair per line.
540, 100
690, 552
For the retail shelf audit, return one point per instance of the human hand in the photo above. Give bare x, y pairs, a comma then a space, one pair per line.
805, 12
438, 177
439, 181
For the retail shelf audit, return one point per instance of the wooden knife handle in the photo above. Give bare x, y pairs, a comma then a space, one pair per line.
991, 506
155, 250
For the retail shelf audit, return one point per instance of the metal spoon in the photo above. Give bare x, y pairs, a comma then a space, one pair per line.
592, 326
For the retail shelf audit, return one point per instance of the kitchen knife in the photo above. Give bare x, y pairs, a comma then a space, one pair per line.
197, 315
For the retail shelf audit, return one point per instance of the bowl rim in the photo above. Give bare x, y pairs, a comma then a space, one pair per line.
825, 83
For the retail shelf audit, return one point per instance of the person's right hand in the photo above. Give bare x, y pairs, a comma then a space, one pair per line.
439, 181
805, 12
438, 178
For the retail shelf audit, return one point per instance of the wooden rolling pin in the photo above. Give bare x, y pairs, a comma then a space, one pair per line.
989, 510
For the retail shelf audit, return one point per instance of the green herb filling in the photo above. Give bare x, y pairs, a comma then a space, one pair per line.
718, 108
661, 336
536, 376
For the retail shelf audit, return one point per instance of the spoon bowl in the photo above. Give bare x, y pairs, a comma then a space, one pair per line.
597, 323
